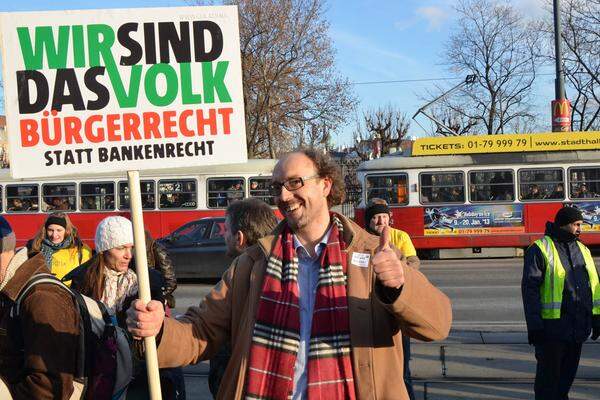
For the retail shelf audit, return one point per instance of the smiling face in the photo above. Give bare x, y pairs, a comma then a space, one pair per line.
118, 258
305, 209
55, 233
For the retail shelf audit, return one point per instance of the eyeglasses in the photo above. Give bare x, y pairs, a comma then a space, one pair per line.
291, 184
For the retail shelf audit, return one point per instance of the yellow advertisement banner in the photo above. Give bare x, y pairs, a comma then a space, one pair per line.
506, 143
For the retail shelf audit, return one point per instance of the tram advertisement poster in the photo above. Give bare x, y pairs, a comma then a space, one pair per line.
123, 89
591, 215
474, 220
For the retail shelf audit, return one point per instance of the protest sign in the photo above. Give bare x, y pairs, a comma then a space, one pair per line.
118, 90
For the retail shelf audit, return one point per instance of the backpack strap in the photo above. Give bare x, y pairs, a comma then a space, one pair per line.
81, 371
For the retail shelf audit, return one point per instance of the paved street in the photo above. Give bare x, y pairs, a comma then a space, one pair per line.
486, 355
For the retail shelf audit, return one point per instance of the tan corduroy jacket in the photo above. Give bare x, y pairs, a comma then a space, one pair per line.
228, 312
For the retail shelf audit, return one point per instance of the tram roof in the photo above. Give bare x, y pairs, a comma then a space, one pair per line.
256, 166
486, 159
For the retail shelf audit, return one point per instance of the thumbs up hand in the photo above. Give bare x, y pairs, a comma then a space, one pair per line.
386, 264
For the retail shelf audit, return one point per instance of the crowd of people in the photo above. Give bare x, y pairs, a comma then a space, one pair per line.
287, 318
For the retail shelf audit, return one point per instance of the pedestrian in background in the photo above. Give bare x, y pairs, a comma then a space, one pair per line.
159, 260
377, 217
60, 245
561, 298
314, 310
246, 221
38, 351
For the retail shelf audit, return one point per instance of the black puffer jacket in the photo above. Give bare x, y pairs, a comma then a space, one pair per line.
576, 319
159, 260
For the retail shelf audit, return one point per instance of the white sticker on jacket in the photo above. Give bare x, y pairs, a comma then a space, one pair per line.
361, 259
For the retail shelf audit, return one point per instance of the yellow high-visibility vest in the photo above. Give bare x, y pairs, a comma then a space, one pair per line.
554, 279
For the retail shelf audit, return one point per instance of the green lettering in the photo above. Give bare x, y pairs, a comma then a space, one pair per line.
101, 37
187, 94
126, 99
78, 47
215, 82
44, 40
151, 89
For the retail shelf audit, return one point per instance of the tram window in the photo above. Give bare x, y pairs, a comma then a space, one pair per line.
259, 188
147, 192
491, 186
22, 198
221, 192
442, 187
540, 184
391, 188
179, 193
58, 197
584, 182
97, 196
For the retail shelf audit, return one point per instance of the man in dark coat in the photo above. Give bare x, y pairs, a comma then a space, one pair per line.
559, 287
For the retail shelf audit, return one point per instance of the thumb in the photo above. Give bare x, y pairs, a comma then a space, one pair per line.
384, 238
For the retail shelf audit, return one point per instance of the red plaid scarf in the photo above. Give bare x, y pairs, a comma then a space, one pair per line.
276, 335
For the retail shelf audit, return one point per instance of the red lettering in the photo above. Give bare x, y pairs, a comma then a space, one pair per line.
151, 121
112, 126
90, 134
131, 126
225, 114
169, 123
183, 128
29, 134
210, 121
73, 130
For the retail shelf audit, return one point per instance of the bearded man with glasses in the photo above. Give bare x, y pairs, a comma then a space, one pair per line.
315, 310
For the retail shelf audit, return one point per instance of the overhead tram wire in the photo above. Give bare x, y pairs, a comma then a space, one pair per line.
386, 82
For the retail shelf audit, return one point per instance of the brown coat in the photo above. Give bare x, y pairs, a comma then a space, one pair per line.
49, 331
421, 311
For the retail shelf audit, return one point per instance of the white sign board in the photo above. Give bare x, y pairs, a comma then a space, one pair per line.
118, 90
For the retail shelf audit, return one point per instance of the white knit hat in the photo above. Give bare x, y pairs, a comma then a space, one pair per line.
113, 232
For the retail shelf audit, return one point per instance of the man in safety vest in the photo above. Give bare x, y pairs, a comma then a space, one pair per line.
561, 297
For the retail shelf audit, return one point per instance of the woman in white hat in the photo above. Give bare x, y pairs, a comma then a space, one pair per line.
109, 276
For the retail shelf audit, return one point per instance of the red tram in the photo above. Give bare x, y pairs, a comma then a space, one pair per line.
483, 204
170, 198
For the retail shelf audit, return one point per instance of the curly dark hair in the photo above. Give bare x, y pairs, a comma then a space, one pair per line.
327, 168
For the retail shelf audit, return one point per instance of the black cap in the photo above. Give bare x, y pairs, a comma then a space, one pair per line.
567, 215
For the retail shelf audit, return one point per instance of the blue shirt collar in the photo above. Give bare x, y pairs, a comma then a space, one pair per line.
318, 247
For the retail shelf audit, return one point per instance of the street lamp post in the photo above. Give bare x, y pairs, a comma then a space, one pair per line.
561, 107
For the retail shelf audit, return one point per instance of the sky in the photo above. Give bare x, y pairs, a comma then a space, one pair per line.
398, 43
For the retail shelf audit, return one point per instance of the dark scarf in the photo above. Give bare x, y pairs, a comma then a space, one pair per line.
49, 248
275, 339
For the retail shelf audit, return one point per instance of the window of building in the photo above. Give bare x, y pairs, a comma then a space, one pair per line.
147, 192
259, 188
541, 184
22, 198
58, 197
392, 188
584, 183
97, 196
491, 186
442, 187
223, 191
180, 193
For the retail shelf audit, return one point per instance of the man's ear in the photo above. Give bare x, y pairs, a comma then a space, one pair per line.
240, 239
328, 183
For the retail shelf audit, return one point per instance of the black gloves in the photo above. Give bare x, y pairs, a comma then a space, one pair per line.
536, 337
595, 332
